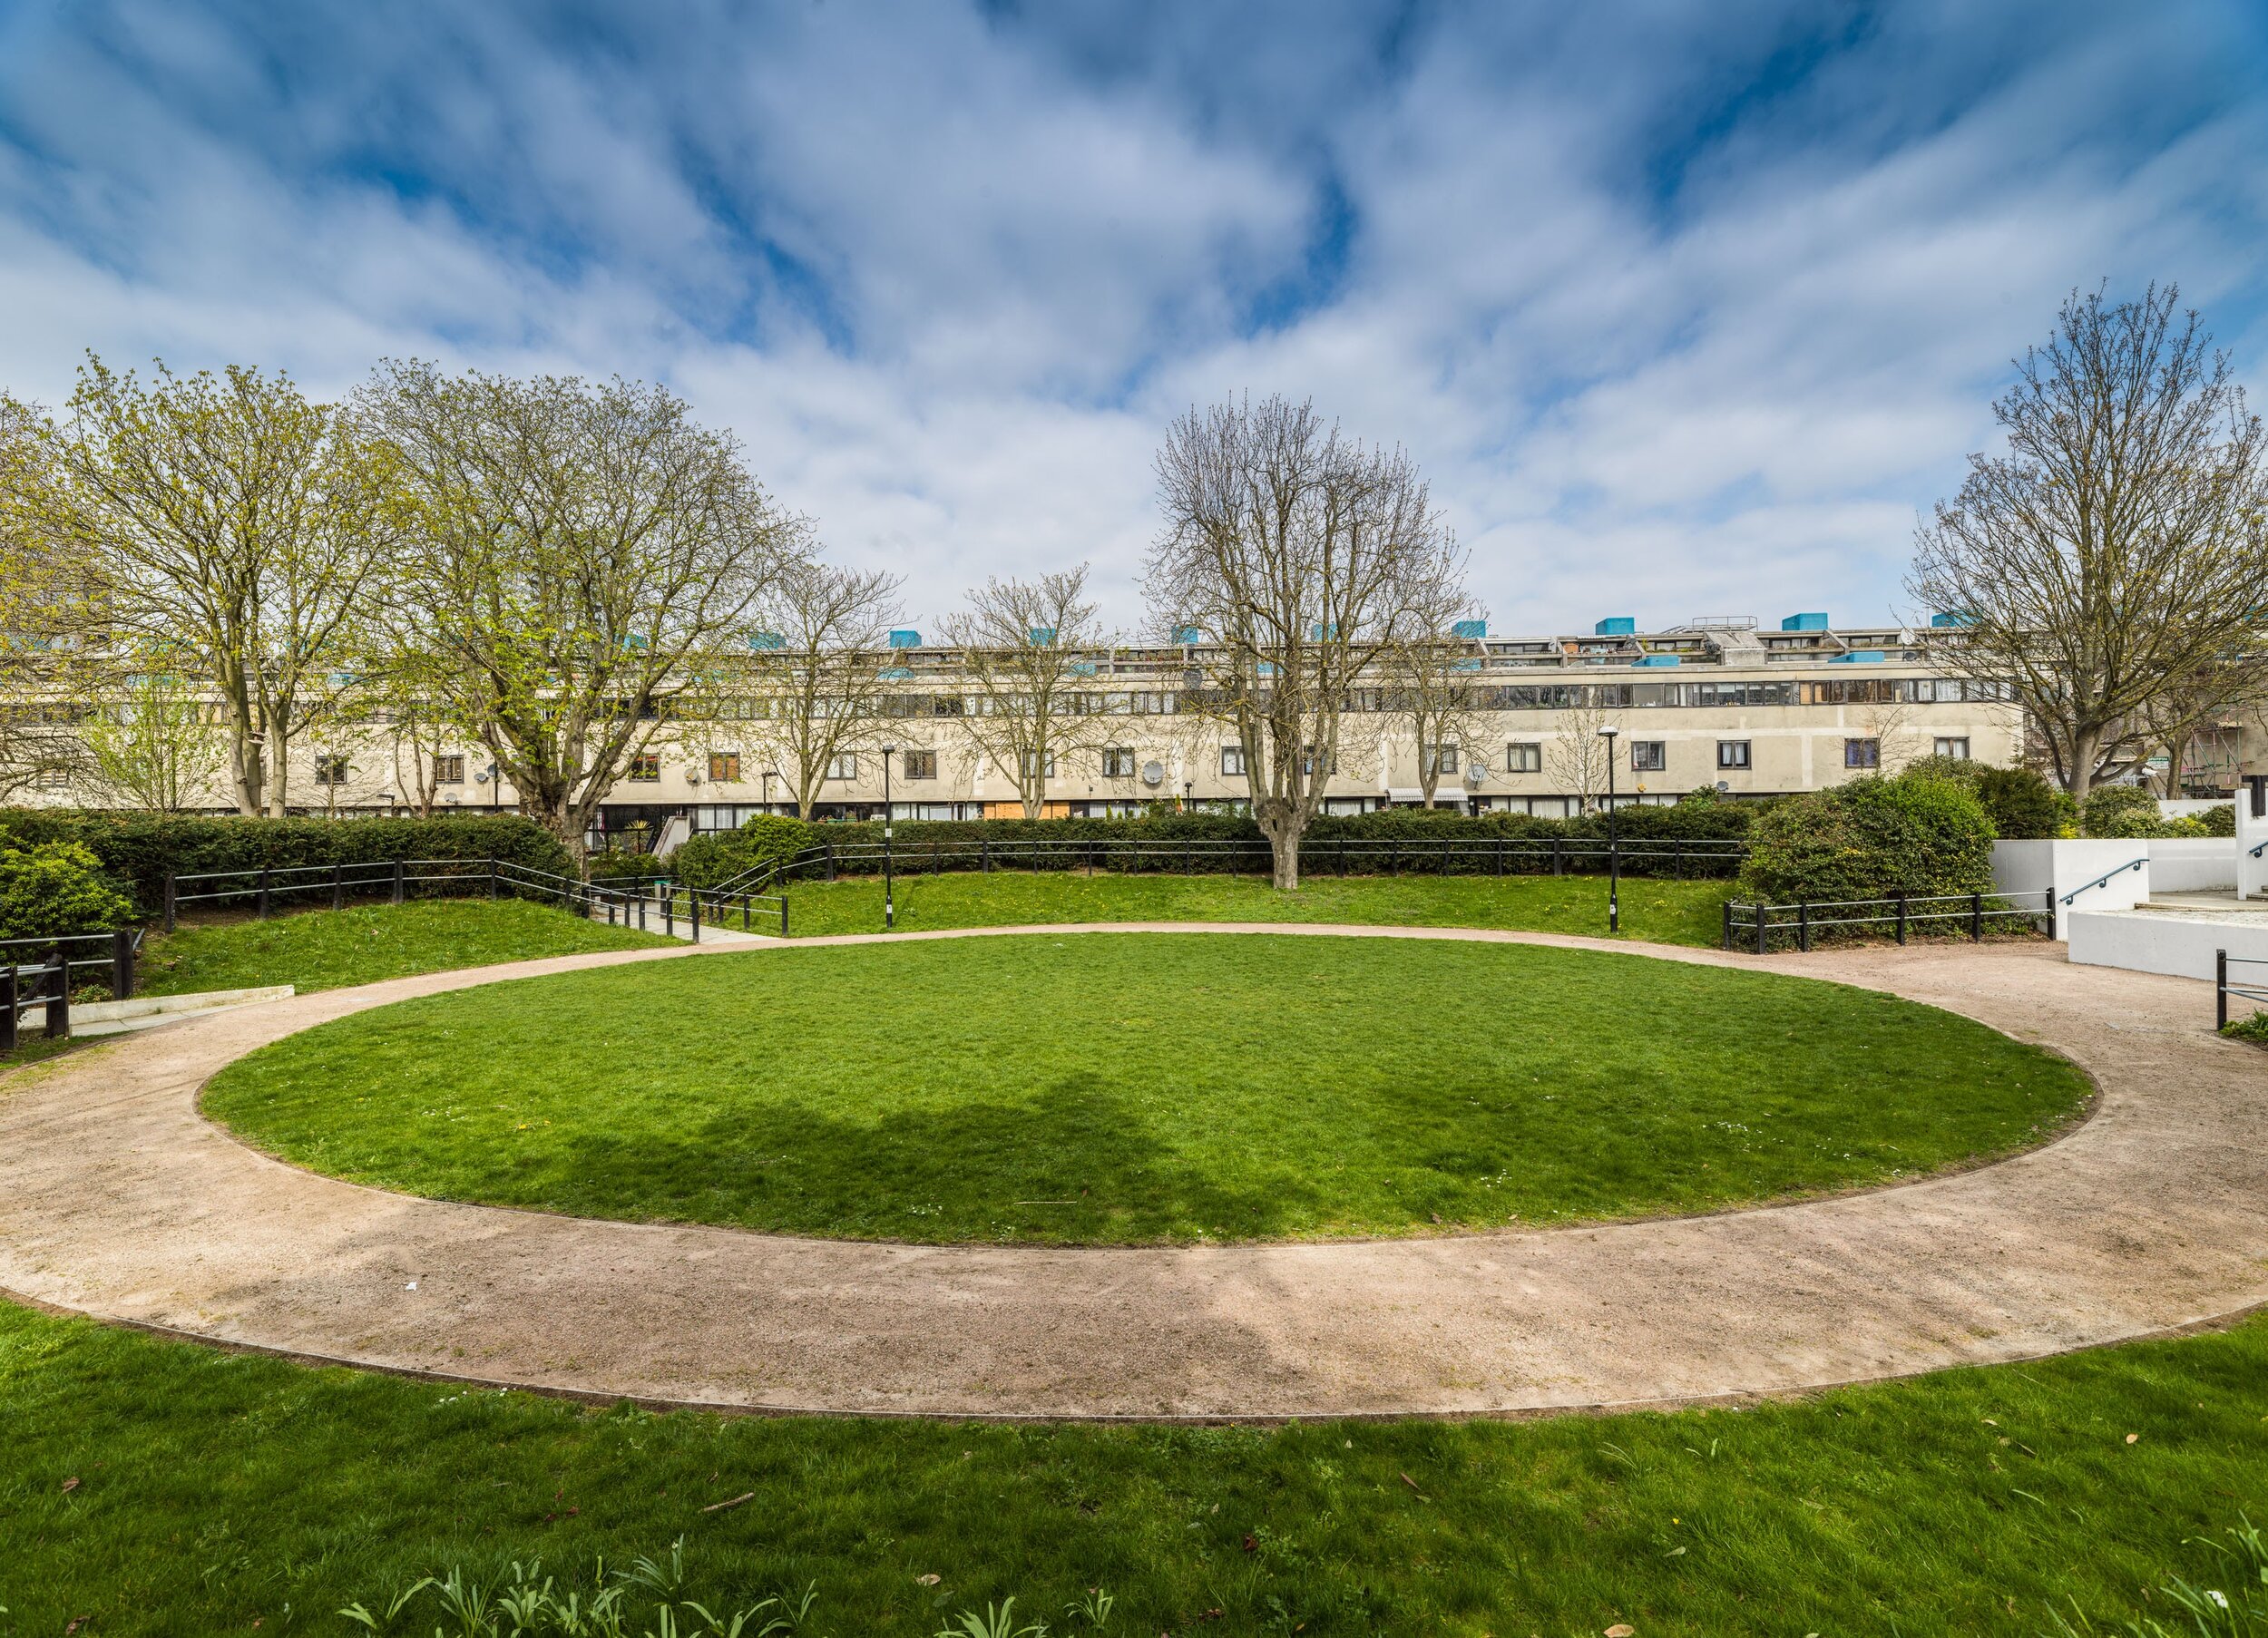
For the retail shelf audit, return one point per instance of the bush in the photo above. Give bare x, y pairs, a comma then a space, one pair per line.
2217, 820
2023, 805
54, 889
1870, 839
717, 856
2121, 811
138, 850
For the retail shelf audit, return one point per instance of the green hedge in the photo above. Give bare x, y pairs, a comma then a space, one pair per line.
713, 857
138, 850
1915, 835
55, 888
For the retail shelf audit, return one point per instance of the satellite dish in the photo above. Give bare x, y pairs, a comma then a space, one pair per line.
1153, 774
1722, 788
1477, 774
692, 776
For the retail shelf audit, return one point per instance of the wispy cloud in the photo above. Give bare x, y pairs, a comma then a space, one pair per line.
1684, 310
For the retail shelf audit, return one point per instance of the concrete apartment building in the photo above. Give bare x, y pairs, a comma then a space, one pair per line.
1717, 702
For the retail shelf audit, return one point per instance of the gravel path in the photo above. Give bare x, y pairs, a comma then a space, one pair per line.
117, 1199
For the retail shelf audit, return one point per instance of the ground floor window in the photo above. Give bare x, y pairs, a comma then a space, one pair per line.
1648, 755
449, 769
920, 764
1953, 745
1861, 753
843, 765
1732, 753
724, 767
1523, 759
1117, 762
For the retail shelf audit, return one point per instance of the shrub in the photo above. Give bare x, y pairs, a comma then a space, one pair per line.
1872, 839
2121, 810
716, 856
2217, 820
138, 850
2023, 805
54, 889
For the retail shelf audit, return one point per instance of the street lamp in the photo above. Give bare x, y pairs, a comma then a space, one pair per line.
1614, 852
769, 775
1189, 789
889, 901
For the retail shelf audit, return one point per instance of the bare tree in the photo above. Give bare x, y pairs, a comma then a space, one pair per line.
2216, 701
576, 548
229, 514
1577, 757
1026, 653
819, 669
1301, 556
2117, 548
1433, 685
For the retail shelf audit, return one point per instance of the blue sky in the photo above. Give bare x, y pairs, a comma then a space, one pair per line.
1685, 309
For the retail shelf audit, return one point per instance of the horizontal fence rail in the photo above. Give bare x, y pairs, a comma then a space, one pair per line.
2252, 988
1759, 927
42, 972
1386, 856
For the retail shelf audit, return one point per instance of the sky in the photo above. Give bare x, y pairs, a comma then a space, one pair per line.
1683, 310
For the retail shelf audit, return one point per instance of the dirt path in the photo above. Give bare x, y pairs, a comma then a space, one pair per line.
117, 1199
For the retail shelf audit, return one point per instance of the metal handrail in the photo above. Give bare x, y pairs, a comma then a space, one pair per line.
2106, 876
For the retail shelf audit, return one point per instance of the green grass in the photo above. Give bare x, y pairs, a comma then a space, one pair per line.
1144, 1087
324, 949
1665, 912
215, 1491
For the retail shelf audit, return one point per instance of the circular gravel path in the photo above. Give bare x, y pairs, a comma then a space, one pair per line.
117, 1199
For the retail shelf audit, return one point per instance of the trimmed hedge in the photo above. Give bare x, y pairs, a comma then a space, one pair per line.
138, 850
1915, 835
713, 857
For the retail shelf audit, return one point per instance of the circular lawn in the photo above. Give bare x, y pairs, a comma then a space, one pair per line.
1129, 1088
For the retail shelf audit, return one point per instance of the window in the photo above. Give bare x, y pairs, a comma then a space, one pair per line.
449, 769
1442, 759
1648, 756
843, 765
1953, 746
645, 768
920, 764
330, 770
1232, 762
1523, 759
1732, 753
724, 767
1861, 753
1042, 764
1117, 762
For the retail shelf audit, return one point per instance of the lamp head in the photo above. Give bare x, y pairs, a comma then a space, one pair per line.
889, 750
1609, 732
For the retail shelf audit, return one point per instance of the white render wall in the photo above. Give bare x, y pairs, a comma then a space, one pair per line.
2143, 940
2068, 867
2192, 865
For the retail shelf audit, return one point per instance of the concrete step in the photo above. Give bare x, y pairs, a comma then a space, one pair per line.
148, 1011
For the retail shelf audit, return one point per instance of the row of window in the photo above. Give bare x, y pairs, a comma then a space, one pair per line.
1652, 756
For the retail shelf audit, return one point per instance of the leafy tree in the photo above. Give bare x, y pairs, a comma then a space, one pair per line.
156, 745
580, 550
2118, 548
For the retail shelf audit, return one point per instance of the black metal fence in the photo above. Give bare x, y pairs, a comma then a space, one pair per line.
1352, 856
1761, 926
2253, 990
41, 973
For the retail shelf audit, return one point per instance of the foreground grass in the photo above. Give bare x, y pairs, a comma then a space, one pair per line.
1665, 912
1144, 1087
324, 949
159, 1487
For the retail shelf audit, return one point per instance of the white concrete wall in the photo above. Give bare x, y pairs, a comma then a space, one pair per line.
2068, 867
2169, 942
2252, 869
2192, 865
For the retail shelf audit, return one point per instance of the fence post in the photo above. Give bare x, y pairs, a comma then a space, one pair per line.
1091, 855
669, 909
1975, 918
59, 997
339, 888
168, 901
492, 877
1500, 855
1728, 923
397, 881
2220, 990
9, 1001
783, 915
1556, 867
1804, 926
1902, 918
263, 893
642, 912
1444, 856
122, 964
1763, 924
693, 899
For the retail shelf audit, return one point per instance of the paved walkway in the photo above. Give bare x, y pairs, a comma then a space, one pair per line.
117, 1199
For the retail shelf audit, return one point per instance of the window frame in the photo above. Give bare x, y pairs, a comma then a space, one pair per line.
1942, 741
1120, 761
448, 767
921, 764
1232, 762
1657, 754
645, 768
842, 767
1734, 756
724, 767
1524, 757
1870, 761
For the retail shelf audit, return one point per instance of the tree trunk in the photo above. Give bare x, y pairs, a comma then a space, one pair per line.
2085, 743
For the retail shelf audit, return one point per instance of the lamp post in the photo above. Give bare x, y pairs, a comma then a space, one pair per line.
769, 775
1614, 851
1188, 791
889, 900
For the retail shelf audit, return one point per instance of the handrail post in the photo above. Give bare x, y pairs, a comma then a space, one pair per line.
59, 997
783, 915
397, 881
830, 859
339, 887
9, 1002
1975, 918
1558, 869
2220, 990
263, 893
984, 851
1902, 918
492, 876
1804, 926
169, 899
121, 963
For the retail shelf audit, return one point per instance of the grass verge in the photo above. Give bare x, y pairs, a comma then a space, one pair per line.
159, 1488
1120, 1087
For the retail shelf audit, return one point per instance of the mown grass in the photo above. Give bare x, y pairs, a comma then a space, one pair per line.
1144, 1087
1664, 911
159, 1487
324, 949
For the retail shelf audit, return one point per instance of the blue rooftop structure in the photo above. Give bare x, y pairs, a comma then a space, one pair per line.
1952, 617
1471, 631
1041, 636
1187, 634
905, 639
1804, 622
1618, 625
1660, 660
1859, 656
768, 639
